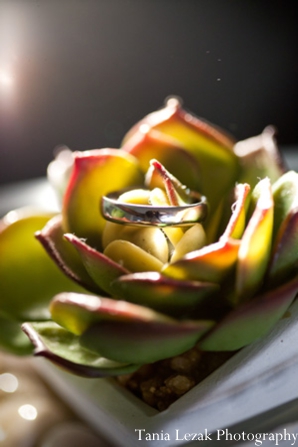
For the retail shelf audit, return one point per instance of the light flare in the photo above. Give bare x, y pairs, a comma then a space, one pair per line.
28, 412
6, 79
8, 383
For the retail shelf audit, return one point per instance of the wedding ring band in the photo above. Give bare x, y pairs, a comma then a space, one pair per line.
160, 216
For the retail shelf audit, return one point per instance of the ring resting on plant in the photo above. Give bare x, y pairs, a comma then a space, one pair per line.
127, 295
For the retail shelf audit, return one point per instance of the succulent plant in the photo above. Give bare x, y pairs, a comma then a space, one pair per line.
129, 293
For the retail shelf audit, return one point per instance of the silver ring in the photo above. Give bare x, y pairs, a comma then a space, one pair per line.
160, 216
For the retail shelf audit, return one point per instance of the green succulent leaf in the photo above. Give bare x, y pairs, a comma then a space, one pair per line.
251, 320
132, 257
76, 312
255, 247
143, 341
148, 143
211, 263
284, 256
95, 174
101, 269
63, 349
285, 196
259, 157
163, 294
65, 256
28, 277
192, 239
236, 225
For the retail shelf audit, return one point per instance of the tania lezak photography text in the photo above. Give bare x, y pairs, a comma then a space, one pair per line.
223, 434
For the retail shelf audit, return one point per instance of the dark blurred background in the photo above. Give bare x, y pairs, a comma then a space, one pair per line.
81, 72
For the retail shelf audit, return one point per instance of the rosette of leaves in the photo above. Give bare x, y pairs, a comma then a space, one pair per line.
121, 296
